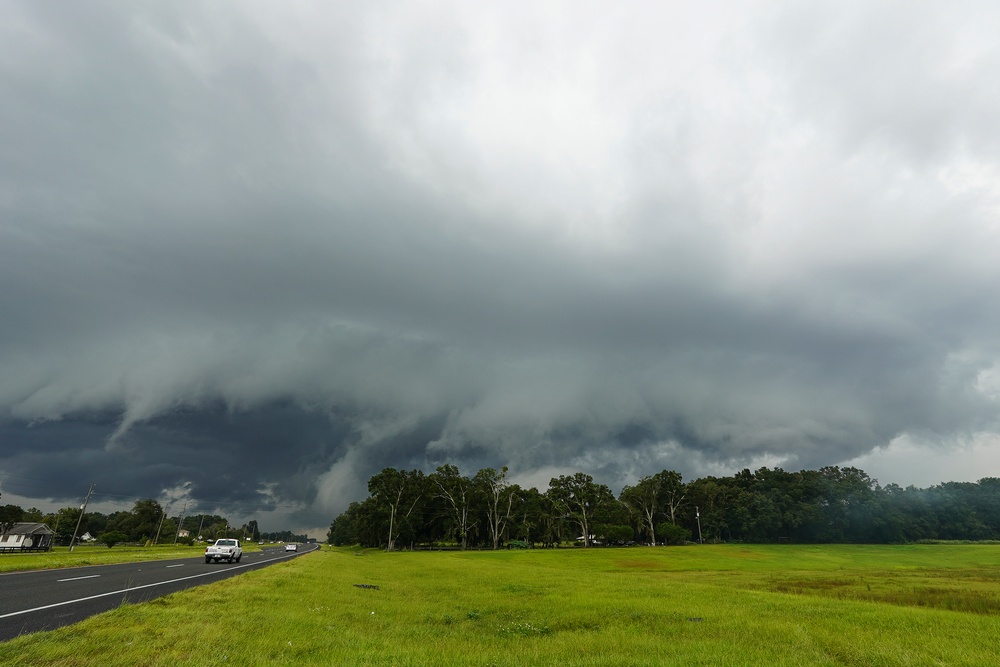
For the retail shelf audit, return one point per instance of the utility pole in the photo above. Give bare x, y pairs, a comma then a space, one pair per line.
697, 517
163, 515
200, 525
180, 522
83, 509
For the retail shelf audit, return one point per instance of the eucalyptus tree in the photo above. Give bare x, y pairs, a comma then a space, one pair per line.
653, 496
529, 521
456, 492
501, 497
644, 500
399, 491
551, 520
579, 497
673, 491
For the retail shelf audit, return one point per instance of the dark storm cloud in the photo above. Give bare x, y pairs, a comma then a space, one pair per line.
250, 255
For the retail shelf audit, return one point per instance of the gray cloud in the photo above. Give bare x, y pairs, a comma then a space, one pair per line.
283, 249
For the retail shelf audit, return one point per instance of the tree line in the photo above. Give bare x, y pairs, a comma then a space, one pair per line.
408, 508
145, 523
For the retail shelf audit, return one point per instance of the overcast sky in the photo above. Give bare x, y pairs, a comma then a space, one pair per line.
251, 253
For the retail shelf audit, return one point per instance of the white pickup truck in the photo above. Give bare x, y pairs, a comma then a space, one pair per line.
226, 549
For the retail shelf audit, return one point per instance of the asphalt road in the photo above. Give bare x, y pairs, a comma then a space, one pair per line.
48, 599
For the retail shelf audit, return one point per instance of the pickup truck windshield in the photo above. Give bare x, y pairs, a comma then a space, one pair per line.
226, 543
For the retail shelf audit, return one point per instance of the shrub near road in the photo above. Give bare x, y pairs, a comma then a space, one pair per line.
707, 605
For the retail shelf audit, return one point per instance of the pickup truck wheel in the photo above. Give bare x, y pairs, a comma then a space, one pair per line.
208, 560
239, 557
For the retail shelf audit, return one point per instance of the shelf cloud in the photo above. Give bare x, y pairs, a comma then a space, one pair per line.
250, 254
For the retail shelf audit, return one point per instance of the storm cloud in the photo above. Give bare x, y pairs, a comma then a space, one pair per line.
251, 253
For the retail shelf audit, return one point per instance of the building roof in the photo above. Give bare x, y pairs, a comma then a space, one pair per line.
30, 529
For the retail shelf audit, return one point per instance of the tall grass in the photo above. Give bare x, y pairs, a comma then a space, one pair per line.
711, 605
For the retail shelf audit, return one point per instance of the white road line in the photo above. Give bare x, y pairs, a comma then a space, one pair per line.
178, 565
91, 576
126, 590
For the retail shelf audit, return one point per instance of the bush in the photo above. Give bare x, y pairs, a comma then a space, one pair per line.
670, 533
112, 538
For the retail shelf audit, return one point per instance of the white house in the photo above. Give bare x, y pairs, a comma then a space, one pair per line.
27, 537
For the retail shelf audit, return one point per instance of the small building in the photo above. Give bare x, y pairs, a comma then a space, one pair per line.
183, 533
27, 537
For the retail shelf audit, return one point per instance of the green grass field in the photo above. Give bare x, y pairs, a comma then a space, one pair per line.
704, 605
96, 554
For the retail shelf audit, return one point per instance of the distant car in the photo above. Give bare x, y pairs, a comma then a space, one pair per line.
291, 547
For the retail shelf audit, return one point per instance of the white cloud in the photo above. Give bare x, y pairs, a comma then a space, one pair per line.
909, 460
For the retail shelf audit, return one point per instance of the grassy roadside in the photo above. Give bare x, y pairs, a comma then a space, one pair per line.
93, 554
711, 605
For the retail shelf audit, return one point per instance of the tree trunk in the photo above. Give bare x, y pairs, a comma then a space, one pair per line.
392, 517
